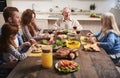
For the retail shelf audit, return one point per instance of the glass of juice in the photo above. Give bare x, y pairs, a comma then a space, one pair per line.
47, 58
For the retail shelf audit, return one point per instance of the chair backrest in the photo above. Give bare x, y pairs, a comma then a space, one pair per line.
1, 59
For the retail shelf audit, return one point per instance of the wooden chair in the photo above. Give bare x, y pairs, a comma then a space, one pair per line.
6, 67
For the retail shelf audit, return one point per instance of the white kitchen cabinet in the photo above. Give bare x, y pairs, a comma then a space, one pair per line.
42, 23
93, 26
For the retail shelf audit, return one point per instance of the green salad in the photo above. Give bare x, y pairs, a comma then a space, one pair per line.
68, 70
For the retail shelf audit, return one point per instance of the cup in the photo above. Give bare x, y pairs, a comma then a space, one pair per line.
75, 27
78, 31
50, 31
59, 32
78, 34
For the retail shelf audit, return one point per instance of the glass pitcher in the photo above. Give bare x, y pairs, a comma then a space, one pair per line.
47, 58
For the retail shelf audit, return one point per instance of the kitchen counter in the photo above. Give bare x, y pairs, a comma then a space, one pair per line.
75, 15
56, 17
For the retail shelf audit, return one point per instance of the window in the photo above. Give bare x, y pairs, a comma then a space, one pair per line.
2, 5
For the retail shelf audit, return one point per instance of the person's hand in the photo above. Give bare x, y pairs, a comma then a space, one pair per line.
92, 39
27, 43
89, 35
32, 41
98, 43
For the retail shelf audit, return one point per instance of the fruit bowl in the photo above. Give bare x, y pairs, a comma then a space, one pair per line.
73, 44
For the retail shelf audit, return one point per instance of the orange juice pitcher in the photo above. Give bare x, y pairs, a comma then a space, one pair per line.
47, 58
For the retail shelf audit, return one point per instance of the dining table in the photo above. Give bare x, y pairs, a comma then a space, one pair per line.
92, 65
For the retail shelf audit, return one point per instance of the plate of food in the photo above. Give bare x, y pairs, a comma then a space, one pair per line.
91, 47
66, 53
73, 44
67, 66
84, 40
36, 48
87, 40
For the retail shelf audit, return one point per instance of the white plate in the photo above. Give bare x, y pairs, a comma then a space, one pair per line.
67, 71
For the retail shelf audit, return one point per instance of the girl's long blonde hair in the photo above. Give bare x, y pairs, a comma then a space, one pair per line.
109, 22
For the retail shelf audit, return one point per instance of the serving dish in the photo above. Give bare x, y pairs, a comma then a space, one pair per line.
73, 44
67, 66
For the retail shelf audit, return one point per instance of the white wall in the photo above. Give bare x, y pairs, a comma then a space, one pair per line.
45, 5
1, 19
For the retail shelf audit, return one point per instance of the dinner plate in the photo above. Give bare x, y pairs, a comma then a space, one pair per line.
66, 70
84, 40
36, 48
34, 54
73, 44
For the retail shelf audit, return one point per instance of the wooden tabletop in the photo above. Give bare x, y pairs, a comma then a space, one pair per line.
92, 65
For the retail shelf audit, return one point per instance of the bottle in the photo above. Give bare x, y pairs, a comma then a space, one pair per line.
47, 58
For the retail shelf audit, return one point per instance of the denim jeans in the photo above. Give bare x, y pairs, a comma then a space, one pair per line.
115, 58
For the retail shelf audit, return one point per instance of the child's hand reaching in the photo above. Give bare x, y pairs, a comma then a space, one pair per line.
90, 35
92, 39
27, 43
32, 41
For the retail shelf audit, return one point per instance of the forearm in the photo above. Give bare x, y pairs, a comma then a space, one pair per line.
107, 45
17, 54
98, 34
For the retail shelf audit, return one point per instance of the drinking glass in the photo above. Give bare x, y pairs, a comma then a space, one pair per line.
47, 58
48, 38
59, 32
78, 32
75, 27
50, 31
